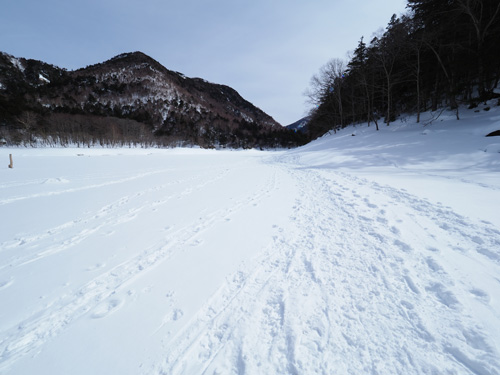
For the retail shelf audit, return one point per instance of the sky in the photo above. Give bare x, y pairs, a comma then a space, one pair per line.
267, 50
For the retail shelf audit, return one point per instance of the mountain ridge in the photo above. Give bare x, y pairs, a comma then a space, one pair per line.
129, 98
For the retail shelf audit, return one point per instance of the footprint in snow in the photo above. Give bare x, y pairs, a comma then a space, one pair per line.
395, 231
377, 236
477, 240
95, 267
444, 226
177, 314
433, 265
170, 294
107, 307
364, 218
407, 305
403, 246
476, 340
368, 204
411, 284
488, 253
480, 295
444, 296
196, 243
5, 284
173, 316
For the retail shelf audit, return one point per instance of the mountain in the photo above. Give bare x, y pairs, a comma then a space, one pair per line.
300, 125
130, 98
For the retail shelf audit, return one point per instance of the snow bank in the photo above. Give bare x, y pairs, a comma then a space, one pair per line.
447, 161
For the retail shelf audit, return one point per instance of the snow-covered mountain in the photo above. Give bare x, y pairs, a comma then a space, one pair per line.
300, 125
164, 105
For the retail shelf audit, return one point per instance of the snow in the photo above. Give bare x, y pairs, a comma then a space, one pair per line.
17, 63
246, 117
43, 79
377, 253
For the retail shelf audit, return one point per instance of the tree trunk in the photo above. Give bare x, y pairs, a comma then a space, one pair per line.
418, 85
368, 104
388, 118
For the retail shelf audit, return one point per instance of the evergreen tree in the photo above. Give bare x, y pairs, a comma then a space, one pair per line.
442, 53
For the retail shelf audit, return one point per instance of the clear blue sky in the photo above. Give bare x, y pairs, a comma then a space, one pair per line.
267, 50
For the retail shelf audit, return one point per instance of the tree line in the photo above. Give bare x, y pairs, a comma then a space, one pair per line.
36, 126
440, 54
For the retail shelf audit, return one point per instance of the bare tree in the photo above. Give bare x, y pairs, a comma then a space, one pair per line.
28, 120
328, 86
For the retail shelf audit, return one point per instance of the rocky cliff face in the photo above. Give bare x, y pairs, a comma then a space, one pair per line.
130, 98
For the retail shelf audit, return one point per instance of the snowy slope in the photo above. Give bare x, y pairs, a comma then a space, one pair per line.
377, 253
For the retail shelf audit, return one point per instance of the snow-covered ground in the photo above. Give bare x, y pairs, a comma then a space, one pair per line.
377, 253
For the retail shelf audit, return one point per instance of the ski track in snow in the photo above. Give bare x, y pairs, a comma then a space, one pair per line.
353, 288
100, 296
110, 215
71, 190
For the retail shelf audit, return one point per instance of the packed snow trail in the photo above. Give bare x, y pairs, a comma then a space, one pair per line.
354, 287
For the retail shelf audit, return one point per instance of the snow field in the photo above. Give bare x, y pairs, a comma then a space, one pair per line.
377, 296
377, 253
87, 263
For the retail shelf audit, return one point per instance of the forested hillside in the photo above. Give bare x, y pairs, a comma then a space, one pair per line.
130, 99
441, 54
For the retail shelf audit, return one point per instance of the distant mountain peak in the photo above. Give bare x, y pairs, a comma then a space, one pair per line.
300, 125
134, 57
167, 107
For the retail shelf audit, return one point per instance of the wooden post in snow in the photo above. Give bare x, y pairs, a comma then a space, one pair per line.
11, 165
